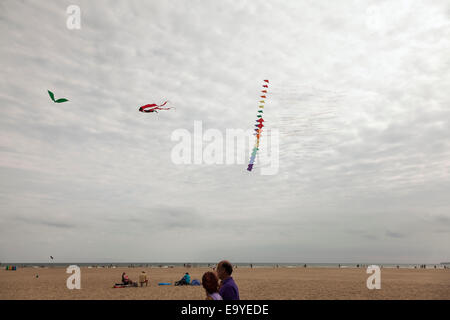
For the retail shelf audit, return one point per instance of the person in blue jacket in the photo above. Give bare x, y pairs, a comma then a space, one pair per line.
186, 280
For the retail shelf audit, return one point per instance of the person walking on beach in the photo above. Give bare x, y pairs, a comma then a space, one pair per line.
211, 284
228, 288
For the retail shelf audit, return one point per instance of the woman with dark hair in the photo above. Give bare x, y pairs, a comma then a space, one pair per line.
125, 279
211, 284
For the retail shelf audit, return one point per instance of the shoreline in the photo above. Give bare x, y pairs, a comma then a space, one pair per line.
211, 265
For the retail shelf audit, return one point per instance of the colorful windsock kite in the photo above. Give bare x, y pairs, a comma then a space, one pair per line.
259, 125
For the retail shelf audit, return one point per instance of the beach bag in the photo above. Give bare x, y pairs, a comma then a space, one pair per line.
195, 282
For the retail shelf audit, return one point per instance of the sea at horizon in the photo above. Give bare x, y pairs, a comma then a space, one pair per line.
212, 264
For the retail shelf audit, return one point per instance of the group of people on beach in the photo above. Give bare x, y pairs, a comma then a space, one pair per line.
128, 282
225, 290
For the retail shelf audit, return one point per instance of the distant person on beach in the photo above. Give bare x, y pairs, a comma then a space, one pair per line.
228, 288
186, 280
125, 279
143, 279
211, 284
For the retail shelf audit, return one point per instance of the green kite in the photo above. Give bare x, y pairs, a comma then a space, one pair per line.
52, 96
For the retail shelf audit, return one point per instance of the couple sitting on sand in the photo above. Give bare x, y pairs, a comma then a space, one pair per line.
227, 290
142, 279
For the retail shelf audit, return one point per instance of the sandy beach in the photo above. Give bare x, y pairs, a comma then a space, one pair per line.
256, 283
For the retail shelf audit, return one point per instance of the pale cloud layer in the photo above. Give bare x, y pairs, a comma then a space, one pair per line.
359, 92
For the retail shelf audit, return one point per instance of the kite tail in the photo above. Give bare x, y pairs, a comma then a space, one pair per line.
168, 108
258, 131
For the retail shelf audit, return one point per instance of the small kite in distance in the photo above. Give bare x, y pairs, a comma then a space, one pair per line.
52, 96
51, 257
154, 107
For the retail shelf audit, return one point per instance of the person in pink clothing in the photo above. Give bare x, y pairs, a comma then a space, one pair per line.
126, 280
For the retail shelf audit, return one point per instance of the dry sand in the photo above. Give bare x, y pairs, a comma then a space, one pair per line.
257, 283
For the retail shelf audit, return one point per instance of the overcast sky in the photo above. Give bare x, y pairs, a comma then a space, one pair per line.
359, 91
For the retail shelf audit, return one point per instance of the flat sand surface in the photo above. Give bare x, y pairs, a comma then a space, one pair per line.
257, 283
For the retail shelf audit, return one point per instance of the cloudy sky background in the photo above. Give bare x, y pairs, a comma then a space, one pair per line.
359, 92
